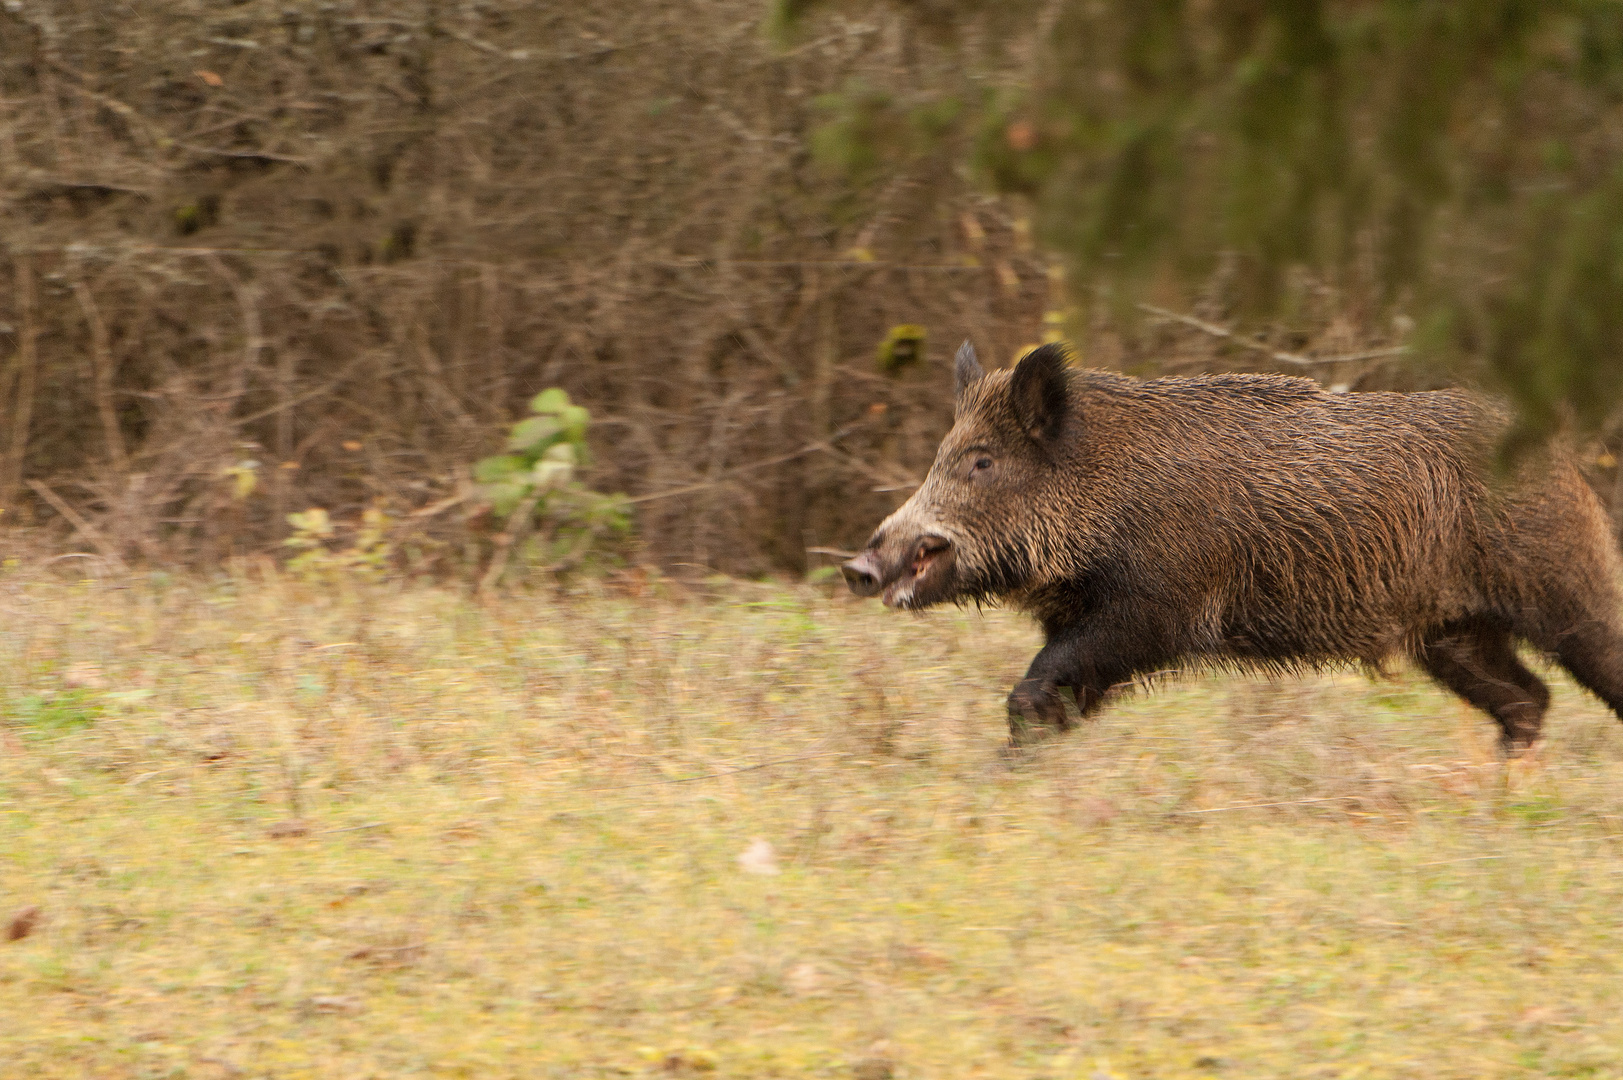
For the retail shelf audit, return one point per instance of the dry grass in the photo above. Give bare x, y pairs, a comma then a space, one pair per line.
275, 830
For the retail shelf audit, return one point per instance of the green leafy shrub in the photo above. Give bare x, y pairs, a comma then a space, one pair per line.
535, 486
313, 533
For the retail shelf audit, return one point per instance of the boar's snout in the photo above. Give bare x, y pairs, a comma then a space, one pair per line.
908, 575
863, 574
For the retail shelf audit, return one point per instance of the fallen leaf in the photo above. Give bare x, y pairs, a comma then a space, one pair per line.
23, 923
972, 229
1022, 135
1050, 1028
874, 1068
210, 77
803, 979
689, 1059
84, 677
389, 949
904, 955
1097, 811
1006, 276
1538, 1016
284, 830
335, 1003
758, 858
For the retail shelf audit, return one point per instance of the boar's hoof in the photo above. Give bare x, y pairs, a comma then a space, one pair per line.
1521, 725
1516, 743
1035, 709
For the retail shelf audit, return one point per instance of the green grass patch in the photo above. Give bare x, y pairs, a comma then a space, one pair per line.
48, 713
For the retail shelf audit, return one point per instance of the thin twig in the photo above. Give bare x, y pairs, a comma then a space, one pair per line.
309, 395
437, 385
1260, 805
435, 508
247, 297
809, 448
244, 155
139, 124
476, 43
80, 525
887, 482
1256, 346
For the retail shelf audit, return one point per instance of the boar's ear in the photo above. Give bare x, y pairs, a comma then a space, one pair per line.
1038, 391
966, 369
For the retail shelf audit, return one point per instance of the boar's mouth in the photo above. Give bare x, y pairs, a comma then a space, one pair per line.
913, 576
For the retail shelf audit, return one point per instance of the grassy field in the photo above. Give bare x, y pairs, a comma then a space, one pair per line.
276, 830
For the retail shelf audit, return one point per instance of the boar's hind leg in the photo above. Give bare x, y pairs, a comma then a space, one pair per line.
1479, 663
1593, 651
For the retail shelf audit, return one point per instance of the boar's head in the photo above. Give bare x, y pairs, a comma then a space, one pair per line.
974, 530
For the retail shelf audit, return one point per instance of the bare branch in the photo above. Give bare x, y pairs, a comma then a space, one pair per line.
1256, 346
26, 364
101, 356
80, 525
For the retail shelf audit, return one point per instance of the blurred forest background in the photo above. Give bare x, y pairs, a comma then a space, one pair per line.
259, 256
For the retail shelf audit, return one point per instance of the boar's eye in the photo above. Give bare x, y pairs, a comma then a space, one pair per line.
980, 466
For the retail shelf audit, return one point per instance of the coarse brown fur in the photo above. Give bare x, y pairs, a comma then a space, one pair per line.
1254, 522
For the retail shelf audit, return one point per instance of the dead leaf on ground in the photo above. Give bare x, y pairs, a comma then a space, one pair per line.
1097, 811
84, 677
874, 1068
336, 1003
689, 1060
903, 954
23, 923
758, 858
1540, 1016
1022, 135
285, 830
388, 948
1048, 1028
803, 979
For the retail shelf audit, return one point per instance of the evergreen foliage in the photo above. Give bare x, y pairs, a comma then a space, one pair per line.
1453, 162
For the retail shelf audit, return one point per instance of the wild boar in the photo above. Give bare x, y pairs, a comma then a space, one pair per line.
1253, 522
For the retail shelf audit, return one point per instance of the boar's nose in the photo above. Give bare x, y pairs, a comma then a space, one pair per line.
862, 574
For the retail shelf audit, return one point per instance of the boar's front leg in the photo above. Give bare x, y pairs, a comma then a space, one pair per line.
1068, 660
